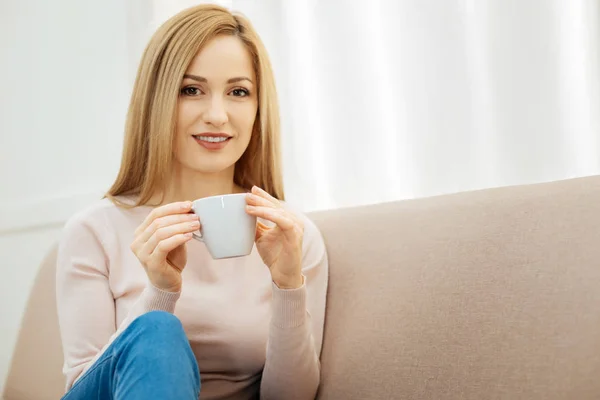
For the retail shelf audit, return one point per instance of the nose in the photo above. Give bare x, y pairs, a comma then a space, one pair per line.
216, 114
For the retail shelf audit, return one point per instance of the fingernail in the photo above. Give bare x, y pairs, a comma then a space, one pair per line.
186, 205
195, 224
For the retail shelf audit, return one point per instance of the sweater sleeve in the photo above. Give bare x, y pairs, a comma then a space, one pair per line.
86, 306
296, 332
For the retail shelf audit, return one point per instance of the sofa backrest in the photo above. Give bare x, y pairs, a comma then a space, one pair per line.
492, 294
35, 371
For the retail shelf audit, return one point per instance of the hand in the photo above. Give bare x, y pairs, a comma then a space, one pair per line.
280, 246
159, 244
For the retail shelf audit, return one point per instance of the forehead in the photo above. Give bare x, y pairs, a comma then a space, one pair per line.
223, 57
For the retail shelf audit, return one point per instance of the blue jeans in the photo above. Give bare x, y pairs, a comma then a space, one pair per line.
150, 359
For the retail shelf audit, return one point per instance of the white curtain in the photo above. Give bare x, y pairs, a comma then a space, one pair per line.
387, 99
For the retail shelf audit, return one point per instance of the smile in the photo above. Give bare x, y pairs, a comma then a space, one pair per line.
211, 139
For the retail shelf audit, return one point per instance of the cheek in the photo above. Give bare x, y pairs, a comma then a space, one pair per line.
245, 119
185, 118
185, 114
182, 125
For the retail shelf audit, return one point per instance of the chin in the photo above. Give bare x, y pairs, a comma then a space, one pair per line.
209, 165
213, 168
204, 162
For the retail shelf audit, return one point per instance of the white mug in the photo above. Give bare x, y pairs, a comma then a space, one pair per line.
226, 229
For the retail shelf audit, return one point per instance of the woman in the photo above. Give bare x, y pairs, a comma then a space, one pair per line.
144, 310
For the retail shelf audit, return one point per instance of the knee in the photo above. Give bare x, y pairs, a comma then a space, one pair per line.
160, 331
159, 325
157, 339
158, 319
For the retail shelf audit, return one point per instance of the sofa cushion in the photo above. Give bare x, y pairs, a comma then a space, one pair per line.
493, 294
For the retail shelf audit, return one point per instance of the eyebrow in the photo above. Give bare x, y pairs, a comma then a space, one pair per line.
231, 80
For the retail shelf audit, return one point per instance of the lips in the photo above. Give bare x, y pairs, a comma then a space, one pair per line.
212, 141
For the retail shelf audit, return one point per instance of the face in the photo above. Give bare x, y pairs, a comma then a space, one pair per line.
217, 107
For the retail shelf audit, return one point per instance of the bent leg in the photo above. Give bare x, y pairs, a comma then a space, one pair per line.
152, 358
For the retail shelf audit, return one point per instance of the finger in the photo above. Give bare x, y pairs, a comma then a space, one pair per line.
255, 200
262, 193
260, 229
181, 207
294, 217
258, 201
166, 233
162, 222
275, 215
164, 247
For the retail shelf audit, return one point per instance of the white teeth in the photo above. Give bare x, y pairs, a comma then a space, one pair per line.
211, 139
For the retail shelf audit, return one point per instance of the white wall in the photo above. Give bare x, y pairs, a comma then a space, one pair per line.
64, 85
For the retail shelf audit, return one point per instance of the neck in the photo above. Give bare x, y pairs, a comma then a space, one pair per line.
187, 185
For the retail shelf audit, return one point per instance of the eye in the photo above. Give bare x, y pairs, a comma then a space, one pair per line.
240, 92
190, 91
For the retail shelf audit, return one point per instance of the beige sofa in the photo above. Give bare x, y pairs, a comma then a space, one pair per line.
493, 294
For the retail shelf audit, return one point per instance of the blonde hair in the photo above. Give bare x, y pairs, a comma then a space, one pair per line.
151, 118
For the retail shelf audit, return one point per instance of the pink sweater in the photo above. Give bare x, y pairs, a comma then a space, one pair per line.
241, 327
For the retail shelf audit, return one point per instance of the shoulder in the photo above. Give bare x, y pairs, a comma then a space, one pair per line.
103, 219
92, 215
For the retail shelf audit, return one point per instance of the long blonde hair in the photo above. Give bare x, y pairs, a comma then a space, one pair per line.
151, 119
